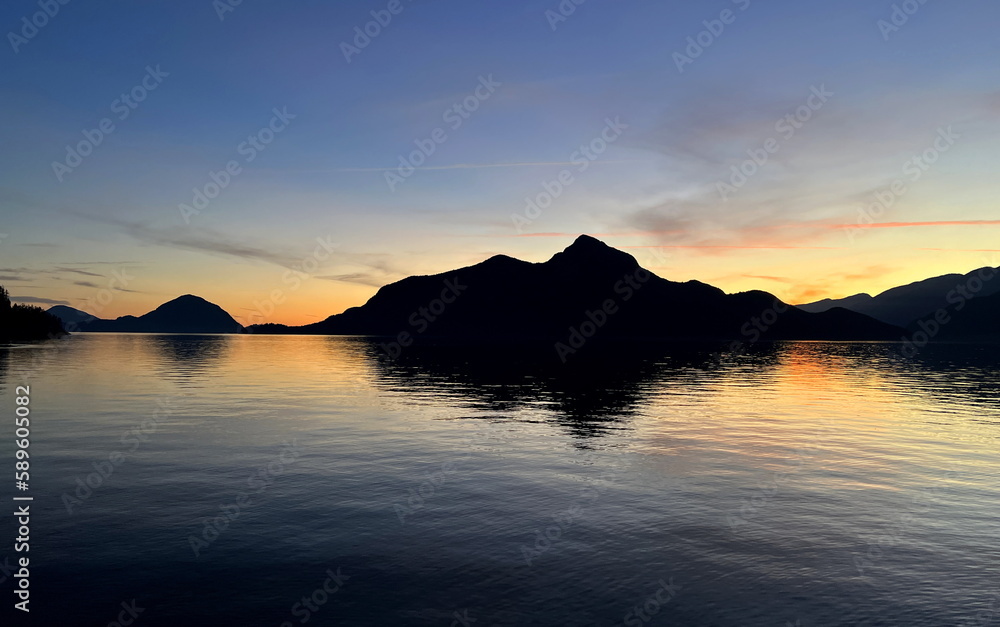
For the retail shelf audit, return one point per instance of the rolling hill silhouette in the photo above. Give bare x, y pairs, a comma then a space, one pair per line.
588, 286
978, 320
72, 319
903, 305
186, 314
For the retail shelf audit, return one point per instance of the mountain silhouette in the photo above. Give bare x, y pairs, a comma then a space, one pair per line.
589, 289
186, 314
977, 320
72, 319
903, 305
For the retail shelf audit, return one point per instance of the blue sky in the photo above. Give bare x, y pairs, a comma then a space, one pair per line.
654, 190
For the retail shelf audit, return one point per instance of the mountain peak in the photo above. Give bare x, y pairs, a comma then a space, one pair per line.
184, 314
189, 304
588, 244
590, 251
585, 239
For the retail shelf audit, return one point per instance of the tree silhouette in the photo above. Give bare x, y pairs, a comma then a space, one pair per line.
25, 322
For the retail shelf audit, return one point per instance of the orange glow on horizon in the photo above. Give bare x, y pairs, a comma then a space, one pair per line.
796, 267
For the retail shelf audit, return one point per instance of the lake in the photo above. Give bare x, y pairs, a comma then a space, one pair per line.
265, 480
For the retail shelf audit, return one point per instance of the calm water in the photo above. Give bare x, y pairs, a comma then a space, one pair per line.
802, 484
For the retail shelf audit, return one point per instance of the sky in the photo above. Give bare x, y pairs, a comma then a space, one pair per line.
262, 155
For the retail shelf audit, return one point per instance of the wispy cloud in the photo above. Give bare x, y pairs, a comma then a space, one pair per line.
749, 237
733, 247
76, 271
906, 225
362, 278
34, 300
475, 166
207, 241
202, 240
